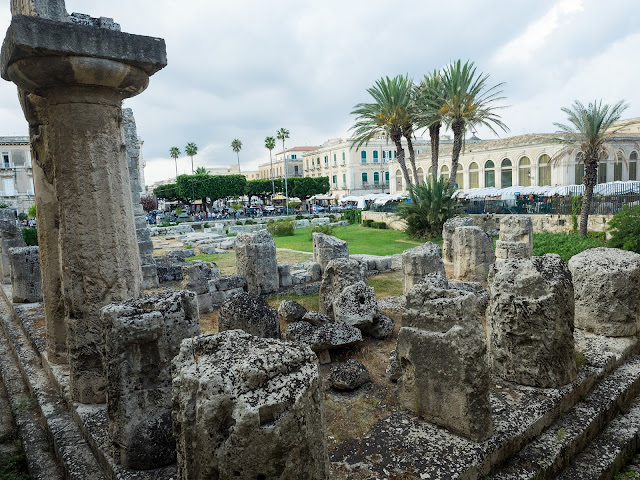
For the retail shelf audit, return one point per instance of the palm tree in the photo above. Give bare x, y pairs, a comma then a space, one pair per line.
236, 146
387, 115
589, 132
466, 102
270, 144
283, 134
192, 150
175, 153
428, 113
201, 171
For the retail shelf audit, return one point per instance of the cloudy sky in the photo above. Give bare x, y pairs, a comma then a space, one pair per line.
243, 69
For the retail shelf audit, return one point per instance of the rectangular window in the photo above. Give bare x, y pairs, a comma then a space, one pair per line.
473, 179
293, 157
335, 159
617, 172
334, 179
6, 162
375, 156
579, 173
9, 187
363, 157
386, 178
343, 158
633, 170
344, 179
376, 178
364, 178
295, 170
602, 172
459, 179
489, 178
326, 160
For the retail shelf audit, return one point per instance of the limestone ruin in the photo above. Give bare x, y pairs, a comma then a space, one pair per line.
605, 282
10, 237
327, 248
259, 404
530, 321
420, 261
25, 274
516, 237
256, 261
142, 337
473, 254
448, 229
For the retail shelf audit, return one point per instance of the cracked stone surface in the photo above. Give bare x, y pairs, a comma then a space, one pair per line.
251, 314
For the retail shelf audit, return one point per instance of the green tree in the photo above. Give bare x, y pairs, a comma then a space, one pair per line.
270, 144
167, 192
589, 131
175, 153
236, 146
201, 171
431, 205
428, 112
31, 212
624, 228
467, 101
306, 187
192, 150
283, 134
387, 115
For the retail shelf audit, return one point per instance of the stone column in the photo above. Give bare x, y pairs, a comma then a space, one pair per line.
448, 229
248, 408
516, 237
472, 254
145, 246
418, 262
25, 275
10, 236
256, 261
80, 74
48, 220
327, 248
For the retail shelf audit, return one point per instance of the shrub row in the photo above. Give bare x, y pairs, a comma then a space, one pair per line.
353, 216
281, 228
30, 236
371, 224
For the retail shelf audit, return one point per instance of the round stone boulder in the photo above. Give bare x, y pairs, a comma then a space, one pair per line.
606, 283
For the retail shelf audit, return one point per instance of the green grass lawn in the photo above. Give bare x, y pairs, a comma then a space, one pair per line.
362, 240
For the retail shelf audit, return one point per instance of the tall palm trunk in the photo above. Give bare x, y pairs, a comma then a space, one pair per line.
273, 185
401, 162
176, 161
458, 128
412, 159
434, 134
590, 180
238, 155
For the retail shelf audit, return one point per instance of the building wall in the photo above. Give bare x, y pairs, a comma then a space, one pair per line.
486, 163
355, 171
16, 175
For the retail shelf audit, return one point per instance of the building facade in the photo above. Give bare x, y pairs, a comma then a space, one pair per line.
356, 171
294, 163
16, 174
526, 160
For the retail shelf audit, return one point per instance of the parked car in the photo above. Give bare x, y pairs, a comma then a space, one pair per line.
336, 209
317, 208
269, 209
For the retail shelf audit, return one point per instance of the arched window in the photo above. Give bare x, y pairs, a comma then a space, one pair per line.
602, 168
363, 156
398, 180
459, 177
489, 174
633, 166
420, 175
430, 172
544, 170
474, 179
375, 156
524, 172
617, 167
444, 172
506, 175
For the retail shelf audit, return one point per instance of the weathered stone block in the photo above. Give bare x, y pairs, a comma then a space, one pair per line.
445, 380
447, 235
512, 250
356, 305
420, 261
142, 337
517, 229
338, 275
606, 284
438, 310
256, 261
227, 282
10, 237
26, 284
249, 313
197, 275
290, 311
254, 405
473, 254
284, 276
348, 376
327, 248
530, 321
326, 336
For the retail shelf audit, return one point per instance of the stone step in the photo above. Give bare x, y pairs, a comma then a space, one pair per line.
43, 420
548, 454
609, 451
